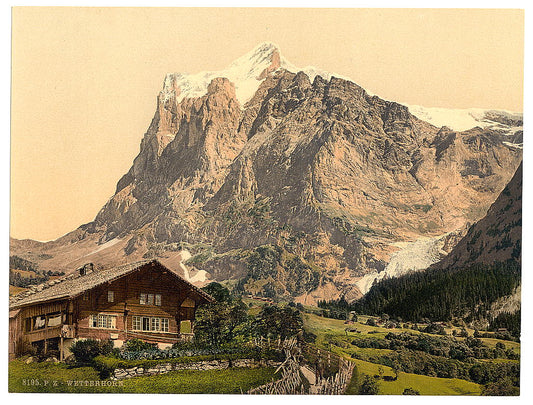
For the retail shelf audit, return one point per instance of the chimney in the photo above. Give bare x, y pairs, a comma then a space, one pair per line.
86, 269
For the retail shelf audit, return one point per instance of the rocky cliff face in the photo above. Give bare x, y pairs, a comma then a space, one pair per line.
495, 237
284, 173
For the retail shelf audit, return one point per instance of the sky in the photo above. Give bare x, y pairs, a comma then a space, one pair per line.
85, 81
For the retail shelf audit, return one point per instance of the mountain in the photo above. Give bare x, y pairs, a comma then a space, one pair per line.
479, 279
289, 181
497, 237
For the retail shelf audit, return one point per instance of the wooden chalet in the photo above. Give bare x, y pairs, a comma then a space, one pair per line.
142, 300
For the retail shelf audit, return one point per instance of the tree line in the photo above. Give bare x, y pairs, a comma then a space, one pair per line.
438, 295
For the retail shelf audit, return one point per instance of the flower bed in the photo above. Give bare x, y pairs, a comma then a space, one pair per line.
253, 352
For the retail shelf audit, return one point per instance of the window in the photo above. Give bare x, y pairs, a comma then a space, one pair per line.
110, 296
150, 323
103, 321
137, 323
164, 325
86, 296
150, 299
146, 323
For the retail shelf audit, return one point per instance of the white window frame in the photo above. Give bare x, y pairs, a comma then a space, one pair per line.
110, 296
103, 321
155, 324
149, 299
142, 299
157, 299
165, 324
136, 323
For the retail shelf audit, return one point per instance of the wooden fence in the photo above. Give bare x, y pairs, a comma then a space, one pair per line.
332, 373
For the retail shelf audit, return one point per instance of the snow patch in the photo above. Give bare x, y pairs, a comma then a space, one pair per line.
463, 119
200, 276
514, 145
106, 245
412, 256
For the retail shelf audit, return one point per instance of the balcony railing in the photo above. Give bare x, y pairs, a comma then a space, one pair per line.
50, 332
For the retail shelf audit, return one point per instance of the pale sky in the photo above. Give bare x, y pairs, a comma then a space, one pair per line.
85, 81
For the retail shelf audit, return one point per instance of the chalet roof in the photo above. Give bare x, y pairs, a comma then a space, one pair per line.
75, 284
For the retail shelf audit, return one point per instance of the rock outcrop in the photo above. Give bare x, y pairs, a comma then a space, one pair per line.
497, 237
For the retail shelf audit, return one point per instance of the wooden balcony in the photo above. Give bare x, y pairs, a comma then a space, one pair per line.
45, 333
67, 331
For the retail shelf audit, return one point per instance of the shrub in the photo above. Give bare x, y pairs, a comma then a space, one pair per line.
435, 328
369, 386
276, 322
86, 350
410, 391
218, 292
502, 387
309, 337
137, 345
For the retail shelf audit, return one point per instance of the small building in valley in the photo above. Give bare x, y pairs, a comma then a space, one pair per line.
143, 300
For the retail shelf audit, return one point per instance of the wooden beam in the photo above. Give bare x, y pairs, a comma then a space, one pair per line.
61, 352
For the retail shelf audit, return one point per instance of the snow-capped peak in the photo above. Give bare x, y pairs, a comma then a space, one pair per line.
246, 73
249, 71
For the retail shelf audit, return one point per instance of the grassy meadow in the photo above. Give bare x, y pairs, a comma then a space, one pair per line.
57, 377
334, 335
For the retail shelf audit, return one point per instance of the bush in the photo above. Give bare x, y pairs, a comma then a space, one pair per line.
410, 391
502, 387
86, 350
369, 386
276, 322
137, 345
435, 329
309, 337
218, 292
191, 350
